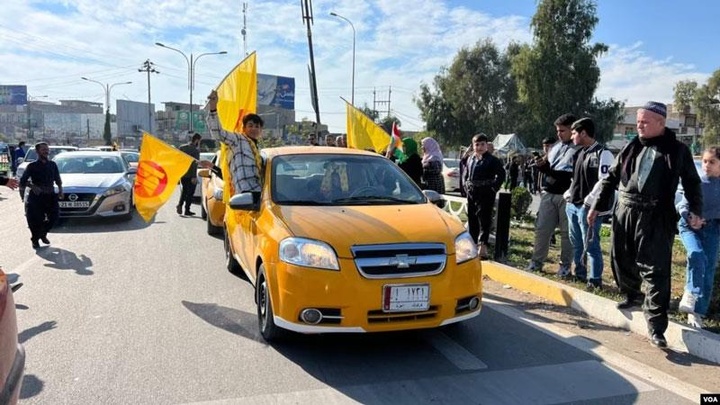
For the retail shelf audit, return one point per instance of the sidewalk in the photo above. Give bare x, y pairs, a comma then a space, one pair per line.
700, 343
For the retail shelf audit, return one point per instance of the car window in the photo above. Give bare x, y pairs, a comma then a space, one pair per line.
89, 164
131, 157
329, 179
451, 163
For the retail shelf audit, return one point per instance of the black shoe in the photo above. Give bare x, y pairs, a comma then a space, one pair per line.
45, 240
35, 244
630, 301
179, 209
593, 285
189, 213
658, 340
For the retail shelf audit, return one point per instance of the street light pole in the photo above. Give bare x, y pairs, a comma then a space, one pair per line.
352, 96
191, 74
107, 87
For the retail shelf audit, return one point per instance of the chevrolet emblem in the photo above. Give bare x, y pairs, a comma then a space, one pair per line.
402, 261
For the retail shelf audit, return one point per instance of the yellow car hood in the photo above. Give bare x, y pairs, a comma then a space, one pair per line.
345, 226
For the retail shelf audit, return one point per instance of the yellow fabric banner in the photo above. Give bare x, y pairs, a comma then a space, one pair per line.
363, 133
237, 97
159, 170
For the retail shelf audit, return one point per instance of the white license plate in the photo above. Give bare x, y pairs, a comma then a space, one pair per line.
74, 204
406, 297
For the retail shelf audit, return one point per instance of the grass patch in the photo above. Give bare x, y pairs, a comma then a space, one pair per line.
522, 239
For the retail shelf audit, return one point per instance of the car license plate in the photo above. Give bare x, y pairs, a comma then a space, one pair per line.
74, 204
406, 297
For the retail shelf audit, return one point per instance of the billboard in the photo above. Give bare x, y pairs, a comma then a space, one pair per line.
13, 95
276, 91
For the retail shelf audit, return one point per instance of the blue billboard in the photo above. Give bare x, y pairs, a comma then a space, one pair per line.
13, 95
276, 91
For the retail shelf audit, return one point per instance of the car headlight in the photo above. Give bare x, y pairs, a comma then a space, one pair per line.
116, 190
309, 253
465, 248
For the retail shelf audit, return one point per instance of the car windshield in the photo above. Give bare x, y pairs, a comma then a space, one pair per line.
329, 179
72, 163
451, 163
31, 154
131, 157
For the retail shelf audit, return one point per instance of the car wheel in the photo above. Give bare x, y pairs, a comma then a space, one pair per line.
232, 265
266, 322
203, 213
212, 229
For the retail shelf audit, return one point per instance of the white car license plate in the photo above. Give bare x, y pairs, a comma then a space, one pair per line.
406, 297
74, 204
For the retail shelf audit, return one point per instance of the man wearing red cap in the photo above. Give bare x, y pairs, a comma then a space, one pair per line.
646, 173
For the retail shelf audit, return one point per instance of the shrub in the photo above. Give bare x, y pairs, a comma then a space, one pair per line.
520, 202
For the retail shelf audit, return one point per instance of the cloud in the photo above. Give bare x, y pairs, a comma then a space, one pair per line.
49, 45
629, 74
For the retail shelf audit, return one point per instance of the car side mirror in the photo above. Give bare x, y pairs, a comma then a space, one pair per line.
19, 161
435, 198
243, 201
204, 173
132, 170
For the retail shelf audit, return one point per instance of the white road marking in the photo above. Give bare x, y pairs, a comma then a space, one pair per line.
611, 359
455, 353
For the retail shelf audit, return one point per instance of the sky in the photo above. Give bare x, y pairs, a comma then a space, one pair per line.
399, 45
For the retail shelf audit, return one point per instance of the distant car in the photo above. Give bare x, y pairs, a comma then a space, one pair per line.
212, 207
31, 156
12, 354
203, 156
451, 174
95, 184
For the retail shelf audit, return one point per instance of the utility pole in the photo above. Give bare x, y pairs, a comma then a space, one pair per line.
148, 67
307, 17
243, 31
376, 102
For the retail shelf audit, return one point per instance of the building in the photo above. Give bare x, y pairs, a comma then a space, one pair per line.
684, 123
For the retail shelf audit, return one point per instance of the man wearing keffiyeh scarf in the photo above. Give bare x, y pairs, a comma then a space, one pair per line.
646, 173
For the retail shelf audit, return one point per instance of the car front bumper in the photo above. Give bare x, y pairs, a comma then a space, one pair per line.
99, 205
351, 303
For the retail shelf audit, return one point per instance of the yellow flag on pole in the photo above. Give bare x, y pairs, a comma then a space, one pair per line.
237, 97
159, 170
363, 133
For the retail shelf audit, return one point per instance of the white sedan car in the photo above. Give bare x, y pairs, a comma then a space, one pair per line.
451, 174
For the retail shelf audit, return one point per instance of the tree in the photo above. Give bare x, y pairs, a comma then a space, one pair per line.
107, 136
707, 101
558, 73
475, 94
684, 94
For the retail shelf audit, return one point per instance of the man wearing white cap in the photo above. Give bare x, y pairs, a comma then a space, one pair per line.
646, 173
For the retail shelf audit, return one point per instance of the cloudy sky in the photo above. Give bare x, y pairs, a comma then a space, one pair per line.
49, 45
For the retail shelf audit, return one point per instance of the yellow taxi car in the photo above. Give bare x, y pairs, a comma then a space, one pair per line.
212, 208
341, 240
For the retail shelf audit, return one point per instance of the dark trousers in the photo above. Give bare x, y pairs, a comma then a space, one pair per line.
187, 192
642, 250
41, 212
480, 209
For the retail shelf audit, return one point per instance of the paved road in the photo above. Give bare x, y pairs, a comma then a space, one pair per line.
127, 312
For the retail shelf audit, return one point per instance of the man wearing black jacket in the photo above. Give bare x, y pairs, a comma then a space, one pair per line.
646, 173
482, 179
557, 170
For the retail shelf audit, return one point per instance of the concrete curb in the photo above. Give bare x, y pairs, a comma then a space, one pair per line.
700, 343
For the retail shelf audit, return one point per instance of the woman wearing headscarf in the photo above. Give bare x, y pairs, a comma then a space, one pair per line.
432, 163
410, 161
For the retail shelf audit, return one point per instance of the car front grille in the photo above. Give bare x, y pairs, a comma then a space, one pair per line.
378, 316
399, 260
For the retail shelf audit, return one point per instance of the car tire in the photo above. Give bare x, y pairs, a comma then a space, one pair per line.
232, 265
266, 322
212, 229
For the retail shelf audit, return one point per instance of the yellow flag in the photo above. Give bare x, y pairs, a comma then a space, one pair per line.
237, 97
159, 170
363, 133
